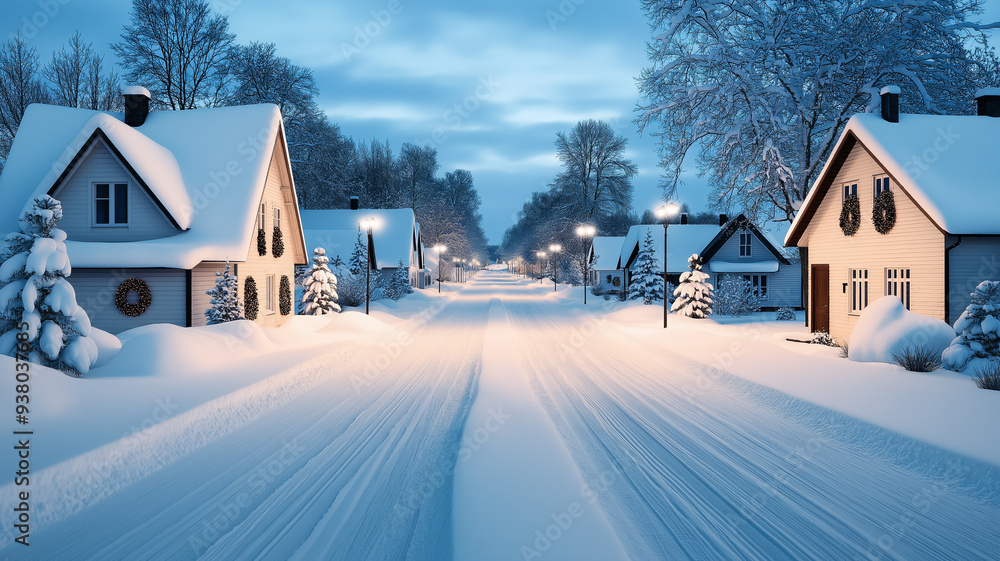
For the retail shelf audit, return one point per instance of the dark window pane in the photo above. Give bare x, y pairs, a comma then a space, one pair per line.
103, 191
121, 203
102, 211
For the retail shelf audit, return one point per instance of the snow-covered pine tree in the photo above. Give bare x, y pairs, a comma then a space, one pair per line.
978, 329
38, 307
225, 303
320, 287
646, 284
359, 257
399, 284
694, 293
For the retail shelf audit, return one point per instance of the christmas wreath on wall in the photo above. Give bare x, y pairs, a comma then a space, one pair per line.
850, 215
285, 296
261, 242
884, 212
277, 243
617, 282
141, 289
251, 305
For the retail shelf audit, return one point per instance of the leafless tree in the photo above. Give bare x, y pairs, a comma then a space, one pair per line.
19, 87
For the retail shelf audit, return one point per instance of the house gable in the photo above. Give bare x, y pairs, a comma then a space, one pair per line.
726, 245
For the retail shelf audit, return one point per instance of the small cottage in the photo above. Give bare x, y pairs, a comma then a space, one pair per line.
605, 276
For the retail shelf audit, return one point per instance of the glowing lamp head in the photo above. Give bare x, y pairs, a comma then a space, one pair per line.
586, 231
667, 210
555, 248
440, 248
370, 223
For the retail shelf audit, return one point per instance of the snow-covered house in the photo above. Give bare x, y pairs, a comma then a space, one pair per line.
156, 202
906, 205
734, 247
603, 258
395, 238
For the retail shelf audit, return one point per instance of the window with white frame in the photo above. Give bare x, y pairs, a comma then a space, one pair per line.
277, 217
882, 184
269, 294
745, 243
897, 283
262, 216
850, 189
110, 204
859, 290
758, 283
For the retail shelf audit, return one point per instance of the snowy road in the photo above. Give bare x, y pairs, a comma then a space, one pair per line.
605, 433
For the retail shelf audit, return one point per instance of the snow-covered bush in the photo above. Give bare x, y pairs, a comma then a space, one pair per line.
824, 338
399, 284
320, 287
736, 297
978, 329
351, 289
694, 294
38, 309
225, 303
886, 328
647, 284
785, 313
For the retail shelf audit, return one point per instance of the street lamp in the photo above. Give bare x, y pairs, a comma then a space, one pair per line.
664, 213
555, 249
439, 249
540, 255
586, 232
369, 224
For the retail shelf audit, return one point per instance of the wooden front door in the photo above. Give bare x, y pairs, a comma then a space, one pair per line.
820, 313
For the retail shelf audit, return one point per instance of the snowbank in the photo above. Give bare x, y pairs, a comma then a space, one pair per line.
108, 346
886, 328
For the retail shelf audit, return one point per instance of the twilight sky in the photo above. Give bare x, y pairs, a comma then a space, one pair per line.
489, 84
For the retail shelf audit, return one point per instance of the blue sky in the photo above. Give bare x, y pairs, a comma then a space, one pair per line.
489, 84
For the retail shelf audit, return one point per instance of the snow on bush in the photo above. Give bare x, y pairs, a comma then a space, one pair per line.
785, 313
736, 297
38, 308
647, 284
886, 329
978, 329
399, 285
320, 287
694, 294
225, 303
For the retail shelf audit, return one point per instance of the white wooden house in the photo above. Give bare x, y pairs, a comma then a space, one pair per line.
605, 276
165, 198
942, 235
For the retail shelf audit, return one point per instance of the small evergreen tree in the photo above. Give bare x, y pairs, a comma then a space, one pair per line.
736, 297
359, 257
38, 308
694, 294
399, 285
225, 303
978, 329
646, 284
320, 287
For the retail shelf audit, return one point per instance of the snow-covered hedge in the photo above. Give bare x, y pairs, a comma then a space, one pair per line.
887, 329
978, 329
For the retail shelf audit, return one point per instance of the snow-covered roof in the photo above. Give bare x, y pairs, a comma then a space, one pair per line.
605, 251
182, 157
682, 241
946, 163
744, 267
393, 235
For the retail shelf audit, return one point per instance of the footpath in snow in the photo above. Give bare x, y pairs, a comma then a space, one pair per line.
518, 494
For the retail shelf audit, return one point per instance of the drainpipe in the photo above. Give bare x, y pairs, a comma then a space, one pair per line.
947, 279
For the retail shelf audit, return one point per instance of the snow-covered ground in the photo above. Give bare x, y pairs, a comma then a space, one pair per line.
503, 420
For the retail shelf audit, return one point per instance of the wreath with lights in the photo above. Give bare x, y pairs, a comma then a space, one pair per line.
277, 243
850, 215
261, 242
617, 281
884, 212
127, 287
285, 296
251, 305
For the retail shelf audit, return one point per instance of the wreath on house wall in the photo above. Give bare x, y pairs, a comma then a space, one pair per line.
884, 212
261, 242
850, 215
251, 304
616, 282
127, 287
277, 243
609, 277
285, 296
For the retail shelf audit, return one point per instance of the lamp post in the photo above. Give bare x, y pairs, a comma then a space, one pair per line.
540, 255
555, 249
664, 213
586, 232
439, 249
368, 223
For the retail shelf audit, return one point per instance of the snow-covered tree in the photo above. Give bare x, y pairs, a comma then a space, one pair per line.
694, 293
359, 257
319, 297
759, 90
598, 174
736, 297
646, 283
225, 303
978, 329
37, 303
399, 284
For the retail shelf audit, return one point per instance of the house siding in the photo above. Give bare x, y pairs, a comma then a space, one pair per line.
974, 260
95, 293
99, 164
914, 243
202, 280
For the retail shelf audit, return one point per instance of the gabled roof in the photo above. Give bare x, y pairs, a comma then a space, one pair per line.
607, 250
735, 225
393, 238
682, 241
205, 168
947, 164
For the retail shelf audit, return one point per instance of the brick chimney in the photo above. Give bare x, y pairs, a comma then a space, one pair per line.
355, 203
723, 219
890, 103
136, 105
988, 102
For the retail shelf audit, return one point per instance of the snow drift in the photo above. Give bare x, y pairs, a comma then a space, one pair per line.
886, 328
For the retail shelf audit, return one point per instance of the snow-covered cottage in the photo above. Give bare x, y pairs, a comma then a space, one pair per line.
605, 276
734, 247
395, 238
156, 202
906, 205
